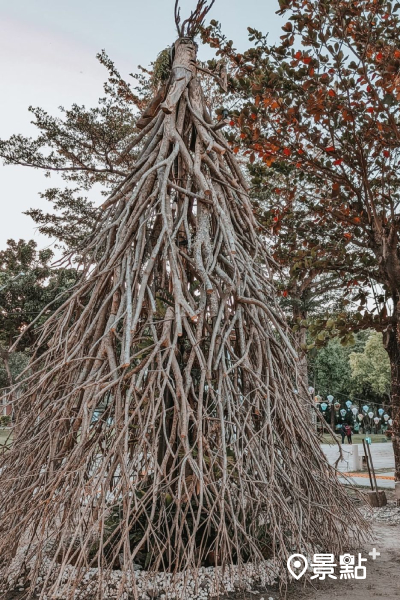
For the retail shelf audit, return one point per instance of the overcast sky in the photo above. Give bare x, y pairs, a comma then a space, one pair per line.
48, 59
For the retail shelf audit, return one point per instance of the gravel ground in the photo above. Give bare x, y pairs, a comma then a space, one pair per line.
382, 574
388, 515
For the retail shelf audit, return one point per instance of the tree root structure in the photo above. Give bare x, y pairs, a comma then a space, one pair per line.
160, 424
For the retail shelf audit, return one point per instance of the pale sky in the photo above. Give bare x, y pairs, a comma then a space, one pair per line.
48, 59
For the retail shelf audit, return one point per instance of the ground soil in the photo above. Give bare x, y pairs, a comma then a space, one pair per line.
383, 576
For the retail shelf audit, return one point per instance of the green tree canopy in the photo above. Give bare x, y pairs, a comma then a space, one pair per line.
330, 369
370, 370
361, 370
27, 285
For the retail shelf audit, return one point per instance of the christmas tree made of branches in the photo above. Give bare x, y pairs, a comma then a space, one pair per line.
160, 427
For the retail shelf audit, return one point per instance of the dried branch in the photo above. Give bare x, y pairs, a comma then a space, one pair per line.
177, 17
161, 423
193, 24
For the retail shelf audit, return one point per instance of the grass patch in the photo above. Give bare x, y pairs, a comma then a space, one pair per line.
357, 438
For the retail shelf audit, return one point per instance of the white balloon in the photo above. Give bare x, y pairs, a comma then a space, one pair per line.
354, 411
370, 414
390, 422
386, 417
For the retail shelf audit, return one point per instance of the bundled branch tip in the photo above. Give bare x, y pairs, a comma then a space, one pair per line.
192, 26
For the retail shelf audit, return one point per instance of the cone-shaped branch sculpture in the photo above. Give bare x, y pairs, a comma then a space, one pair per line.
160, 426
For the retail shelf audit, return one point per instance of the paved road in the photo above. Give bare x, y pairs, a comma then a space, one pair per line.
382, 455
382, 458
364, 482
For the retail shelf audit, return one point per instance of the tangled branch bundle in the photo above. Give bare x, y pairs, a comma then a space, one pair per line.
160, 429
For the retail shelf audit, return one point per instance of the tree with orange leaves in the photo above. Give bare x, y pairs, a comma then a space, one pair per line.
325, 101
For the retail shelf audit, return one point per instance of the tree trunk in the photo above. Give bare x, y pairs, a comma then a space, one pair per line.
392, 345
301, 341
333, 420
5, 356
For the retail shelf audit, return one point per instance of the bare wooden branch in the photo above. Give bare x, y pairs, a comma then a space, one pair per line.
193, 24
161, 423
